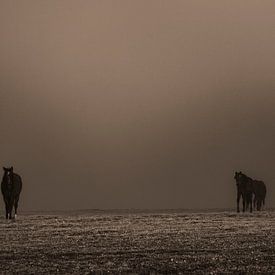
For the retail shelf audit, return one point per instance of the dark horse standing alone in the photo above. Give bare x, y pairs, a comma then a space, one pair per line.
11, 187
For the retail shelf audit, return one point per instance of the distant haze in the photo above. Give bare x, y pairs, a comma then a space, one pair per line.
137, 104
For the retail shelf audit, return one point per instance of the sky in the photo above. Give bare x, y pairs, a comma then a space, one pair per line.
137, 104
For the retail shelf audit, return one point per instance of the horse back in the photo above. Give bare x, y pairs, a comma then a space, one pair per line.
259, 188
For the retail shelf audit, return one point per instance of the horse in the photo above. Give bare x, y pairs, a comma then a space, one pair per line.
11, 187
259, 190
244, 190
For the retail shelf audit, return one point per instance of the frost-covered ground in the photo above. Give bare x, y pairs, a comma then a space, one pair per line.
148, 242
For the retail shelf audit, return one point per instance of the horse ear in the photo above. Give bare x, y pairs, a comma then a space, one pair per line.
11, 168
4, 168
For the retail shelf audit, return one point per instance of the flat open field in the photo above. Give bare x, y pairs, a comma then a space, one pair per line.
139, 242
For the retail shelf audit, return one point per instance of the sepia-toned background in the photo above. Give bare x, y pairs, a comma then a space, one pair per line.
137, 104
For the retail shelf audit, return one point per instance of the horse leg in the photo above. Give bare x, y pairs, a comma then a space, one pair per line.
10, 211
7, 209
261, 204
247, 202
243, 203
254, 202
251, 205
15, 206
238, 201
11, 207
258, 205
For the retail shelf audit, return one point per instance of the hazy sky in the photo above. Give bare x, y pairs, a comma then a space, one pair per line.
137, 104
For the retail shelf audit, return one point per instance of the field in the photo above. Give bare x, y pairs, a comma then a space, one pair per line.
139, 242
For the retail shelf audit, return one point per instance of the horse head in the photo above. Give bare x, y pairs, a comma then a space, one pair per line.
8, 174
8, 170
238, 177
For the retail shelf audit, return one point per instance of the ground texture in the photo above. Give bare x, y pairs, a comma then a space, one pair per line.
168, 242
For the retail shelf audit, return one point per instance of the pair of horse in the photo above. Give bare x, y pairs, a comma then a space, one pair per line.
11, 187
253, 192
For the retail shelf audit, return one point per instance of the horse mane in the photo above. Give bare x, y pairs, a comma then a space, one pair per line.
246, 178
5, 176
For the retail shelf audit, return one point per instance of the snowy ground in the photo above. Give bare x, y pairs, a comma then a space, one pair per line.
149, 242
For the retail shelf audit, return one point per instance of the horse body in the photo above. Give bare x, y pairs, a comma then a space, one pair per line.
244, 191
11, 187
259, 190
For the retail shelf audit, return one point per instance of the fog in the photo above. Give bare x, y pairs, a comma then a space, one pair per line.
137, 104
